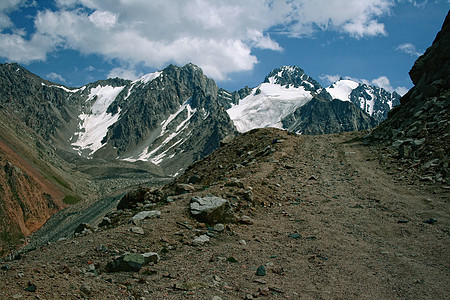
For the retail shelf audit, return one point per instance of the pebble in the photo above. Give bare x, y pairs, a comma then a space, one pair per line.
31, 287
261, 271
243, 242
201, 240
430, 221
295, 235
219, 227
138, 230
246, 220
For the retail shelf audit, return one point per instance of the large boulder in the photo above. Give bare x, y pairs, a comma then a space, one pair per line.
132, 262
211, 209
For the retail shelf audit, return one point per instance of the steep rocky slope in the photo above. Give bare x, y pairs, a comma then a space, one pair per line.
375, 101
290, 99
418, 130
326, 216
29, 188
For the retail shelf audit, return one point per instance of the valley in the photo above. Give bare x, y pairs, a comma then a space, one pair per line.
331, 217
168, 187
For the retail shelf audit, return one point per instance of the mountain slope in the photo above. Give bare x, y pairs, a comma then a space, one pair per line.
418, 130
326, 204
173, 113
285, 100
375, 101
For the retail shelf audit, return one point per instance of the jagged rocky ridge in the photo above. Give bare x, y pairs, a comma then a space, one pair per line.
112, 134
418, 130
284, 100
375, 101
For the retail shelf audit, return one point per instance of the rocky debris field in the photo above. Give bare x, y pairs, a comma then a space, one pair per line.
270, 215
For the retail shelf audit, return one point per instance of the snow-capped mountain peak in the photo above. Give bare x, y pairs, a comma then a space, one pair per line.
292, 76
375, 101
342, 89
267, 105
148, 77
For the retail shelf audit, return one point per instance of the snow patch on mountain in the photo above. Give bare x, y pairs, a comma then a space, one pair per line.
267, 105
148, 77
157, 154
94, 125
342, 89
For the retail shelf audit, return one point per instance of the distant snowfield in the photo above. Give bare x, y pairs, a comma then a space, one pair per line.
94, 124
152, 155
267, 108
342, 89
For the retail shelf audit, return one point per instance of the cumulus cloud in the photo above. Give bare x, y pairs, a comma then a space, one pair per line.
56, 77
382, 82
408, 48
219, 36
124, 73
329, 79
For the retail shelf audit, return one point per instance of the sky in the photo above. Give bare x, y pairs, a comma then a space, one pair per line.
235, 42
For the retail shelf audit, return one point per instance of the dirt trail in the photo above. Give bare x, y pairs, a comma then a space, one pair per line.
334, 219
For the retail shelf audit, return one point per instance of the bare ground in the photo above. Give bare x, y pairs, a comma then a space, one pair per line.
333, 219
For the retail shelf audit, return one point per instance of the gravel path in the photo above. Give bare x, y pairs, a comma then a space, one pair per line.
333, 219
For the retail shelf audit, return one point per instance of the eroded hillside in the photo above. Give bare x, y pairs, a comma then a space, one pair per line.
327, 216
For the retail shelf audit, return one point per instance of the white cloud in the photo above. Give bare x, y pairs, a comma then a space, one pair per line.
219, 36
56, 77
382, 82
408, 48
329, 79
124, 73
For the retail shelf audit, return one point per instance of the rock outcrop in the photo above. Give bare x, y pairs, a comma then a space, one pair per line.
418, 130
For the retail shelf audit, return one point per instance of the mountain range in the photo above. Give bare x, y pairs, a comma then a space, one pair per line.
94, 141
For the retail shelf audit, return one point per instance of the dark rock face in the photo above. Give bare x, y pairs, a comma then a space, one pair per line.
320, 116
418, 129
294, 76
378, 96
211, 209
43, 106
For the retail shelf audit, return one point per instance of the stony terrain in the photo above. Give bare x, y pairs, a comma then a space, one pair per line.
328, 217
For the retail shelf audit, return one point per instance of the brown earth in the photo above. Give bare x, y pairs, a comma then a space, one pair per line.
333, 219
27, 198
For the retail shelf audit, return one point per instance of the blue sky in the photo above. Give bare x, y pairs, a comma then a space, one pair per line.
74, 42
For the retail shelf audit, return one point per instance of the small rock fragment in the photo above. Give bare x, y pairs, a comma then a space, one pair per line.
219, 227
105, 222
430, 221
201, 240
182, 188
31, 287
295, 235
137, 230
261, 271
246, 220
146, 214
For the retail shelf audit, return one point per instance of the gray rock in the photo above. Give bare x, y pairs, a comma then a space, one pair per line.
83, 229
219, 227
138, 230
146, 214
246, 220
200, 240
132, 262
182, 188
261, 271
105, 222
235, 182
211, 209
151, 257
